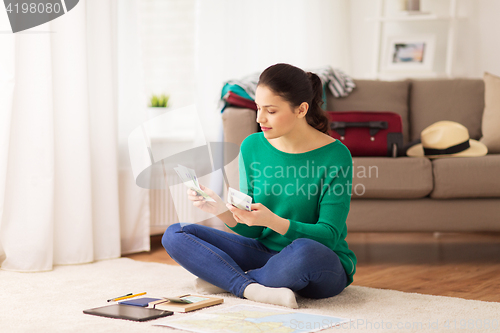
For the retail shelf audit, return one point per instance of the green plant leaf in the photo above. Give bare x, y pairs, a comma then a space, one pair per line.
159, 101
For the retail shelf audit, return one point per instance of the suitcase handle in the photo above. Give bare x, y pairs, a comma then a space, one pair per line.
374, 126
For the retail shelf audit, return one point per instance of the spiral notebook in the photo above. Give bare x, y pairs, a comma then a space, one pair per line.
185, 303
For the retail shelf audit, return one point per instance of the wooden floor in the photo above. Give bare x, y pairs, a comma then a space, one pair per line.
465, 265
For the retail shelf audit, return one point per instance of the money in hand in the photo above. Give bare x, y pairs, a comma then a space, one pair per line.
239, 199
188, 177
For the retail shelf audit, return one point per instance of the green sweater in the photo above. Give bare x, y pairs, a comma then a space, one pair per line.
311, 189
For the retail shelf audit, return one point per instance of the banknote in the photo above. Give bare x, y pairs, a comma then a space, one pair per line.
239, 199
188, 177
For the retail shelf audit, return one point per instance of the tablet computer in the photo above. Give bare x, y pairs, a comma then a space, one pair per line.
129, 312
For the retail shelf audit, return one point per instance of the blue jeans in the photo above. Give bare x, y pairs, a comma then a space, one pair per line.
232, 262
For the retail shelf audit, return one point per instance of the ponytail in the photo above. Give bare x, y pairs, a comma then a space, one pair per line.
315, 116
296, 87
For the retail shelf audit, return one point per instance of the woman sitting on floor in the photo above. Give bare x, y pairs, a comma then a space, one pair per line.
300, 178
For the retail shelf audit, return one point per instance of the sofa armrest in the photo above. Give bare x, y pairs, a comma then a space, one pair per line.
238, 123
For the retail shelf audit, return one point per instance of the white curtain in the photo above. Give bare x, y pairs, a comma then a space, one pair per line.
132, 112
59, 182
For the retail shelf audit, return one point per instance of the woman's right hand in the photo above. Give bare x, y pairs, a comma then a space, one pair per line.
216, 208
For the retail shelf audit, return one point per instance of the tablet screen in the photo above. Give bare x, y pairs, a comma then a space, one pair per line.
128, 312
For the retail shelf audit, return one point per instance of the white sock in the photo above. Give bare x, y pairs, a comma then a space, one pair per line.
278, 296
204, 287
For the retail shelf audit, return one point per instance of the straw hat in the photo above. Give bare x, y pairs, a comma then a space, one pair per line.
446, 139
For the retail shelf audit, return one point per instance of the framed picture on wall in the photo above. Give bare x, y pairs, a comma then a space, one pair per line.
409, 53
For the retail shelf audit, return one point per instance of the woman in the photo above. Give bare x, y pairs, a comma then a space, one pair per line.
300, 178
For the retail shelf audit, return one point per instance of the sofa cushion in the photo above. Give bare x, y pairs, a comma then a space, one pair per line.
460, 100
454, 215
391, 178
466, 177
491, 115
373, 95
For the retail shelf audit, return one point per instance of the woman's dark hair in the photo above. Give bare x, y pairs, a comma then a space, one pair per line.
296, 87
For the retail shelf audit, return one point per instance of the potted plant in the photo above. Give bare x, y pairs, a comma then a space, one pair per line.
158, 104
160, 101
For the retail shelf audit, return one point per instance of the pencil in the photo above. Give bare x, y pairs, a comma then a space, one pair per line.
125, 297
112, 299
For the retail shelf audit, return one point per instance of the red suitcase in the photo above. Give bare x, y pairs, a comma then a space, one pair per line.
233, 99
368, 133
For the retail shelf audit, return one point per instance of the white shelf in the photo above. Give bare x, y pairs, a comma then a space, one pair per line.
174, 136
378, 70
387, 76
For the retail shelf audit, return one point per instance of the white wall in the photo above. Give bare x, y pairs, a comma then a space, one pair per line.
238, 38
488, 22
362, 37
477, 43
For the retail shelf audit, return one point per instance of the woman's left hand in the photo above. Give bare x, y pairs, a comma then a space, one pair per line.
259, 216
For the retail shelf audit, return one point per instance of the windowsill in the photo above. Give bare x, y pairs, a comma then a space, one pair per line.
178, 136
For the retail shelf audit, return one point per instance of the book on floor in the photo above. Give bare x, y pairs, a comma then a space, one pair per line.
185, 303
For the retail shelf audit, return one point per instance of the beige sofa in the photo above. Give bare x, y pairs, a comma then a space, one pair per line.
410, 193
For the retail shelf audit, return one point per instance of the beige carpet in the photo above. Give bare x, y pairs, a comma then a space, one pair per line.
54, 301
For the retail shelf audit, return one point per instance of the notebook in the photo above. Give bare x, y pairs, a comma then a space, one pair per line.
143, 301
189, 303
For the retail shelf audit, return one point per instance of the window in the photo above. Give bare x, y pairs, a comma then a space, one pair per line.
167, 30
